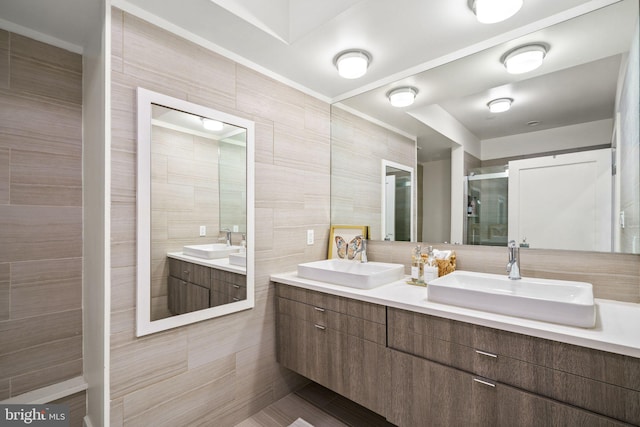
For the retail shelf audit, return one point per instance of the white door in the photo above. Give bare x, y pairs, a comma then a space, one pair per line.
562, 201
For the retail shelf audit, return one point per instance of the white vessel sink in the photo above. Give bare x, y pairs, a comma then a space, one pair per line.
210, 251
556, 301
239, 259
352, 274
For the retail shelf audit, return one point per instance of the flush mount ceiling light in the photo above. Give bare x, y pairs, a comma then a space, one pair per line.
402, 96
492, 11
524, 58
352, 64
500, 105
213, 125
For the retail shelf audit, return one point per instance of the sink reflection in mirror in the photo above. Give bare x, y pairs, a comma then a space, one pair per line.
556, 301
211, 250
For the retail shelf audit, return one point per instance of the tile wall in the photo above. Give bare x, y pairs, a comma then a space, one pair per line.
220, 371
40, 215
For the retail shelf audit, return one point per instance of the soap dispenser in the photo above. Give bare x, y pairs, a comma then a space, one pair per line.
430, 267
417, 266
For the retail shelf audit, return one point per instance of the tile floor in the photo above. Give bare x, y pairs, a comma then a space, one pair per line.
319, 407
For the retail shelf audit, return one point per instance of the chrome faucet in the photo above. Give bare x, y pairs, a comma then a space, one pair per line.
361, 249
514, 258
228, 237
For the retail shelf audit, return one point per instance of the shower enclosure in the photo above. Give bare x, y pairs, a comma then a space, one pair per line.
486, 192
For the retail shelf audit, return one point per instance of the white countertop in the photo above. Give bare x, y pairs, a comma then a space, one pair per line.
219, 263
617, 327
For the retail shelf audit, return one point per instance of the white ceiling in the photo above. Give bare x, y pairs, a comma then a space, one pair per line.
295, 41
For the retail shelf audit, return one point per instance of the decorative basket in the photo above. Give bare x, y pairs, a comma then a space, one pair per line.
445, 266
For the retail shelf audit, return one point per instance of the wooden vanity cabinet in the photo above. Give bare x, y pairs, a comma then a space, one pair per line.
188, 286
227, 287
535, 381
193, 287
337, 342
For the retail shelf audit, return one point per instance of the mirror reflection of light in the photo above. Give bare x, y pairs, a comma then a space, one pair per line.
500, 105
525, 59
492, 11
213, 125
402, 97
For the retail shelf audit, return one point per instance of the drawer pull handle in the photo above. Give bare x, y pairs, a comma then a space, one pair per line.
236, 299
319, 309
322, 328
236, 286
478, 380
484, 353
186, 272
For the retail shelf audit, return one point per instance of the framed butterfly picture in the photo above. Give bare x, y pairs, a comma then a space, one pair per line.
346, 241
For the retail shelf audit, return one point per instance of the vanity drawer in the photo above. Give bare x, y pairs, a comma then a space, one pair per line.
190, 272
544, 367
611, 368
607, 399
360, 309
465, 358
340, 322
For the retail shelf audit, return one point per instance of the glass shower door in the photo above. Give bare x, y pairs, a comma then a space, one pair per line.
487, 209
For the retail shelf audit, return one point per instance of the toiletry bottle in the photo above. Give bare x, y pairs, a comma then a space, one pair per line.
430, 267
417, 266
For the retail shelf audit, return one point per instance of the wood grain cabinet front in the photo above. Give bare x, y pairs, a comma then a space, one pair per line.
336, 342
193, 287
601, 382
426, 393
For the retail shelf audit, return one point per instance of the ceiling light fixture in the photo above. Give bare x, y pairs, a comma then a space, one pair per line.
213, 125
524, 58
492, 11
352, 64
402, 96
500, 105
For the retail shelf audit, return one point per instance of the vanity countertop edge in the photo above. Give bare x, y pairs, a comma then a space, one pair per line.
219, 263
616, 329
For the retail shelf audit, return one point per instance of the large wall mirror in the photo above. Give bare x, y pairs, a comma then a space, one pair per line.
540, 173
195, 213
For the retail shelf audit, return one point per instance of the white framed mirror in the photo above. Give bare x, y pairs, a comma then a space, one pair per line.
195, 213
397, 220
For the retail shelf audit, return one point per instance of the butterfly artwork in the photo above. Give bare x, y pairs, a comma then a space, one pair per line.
348, 250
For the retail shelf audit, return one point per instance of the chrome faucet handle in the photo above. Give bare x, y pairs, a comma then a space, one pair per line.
514, 258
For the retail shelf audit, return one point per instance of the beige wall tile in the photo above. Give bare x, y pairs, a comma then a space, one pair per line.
147, 361
34, 232
40, 213
45, 179
263, 97
46, 376
5, 174
22, 334
195, 404
52, 56
116, 40
41, 357
40, 125
46, 297
4, 66
164, 392
37, 78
